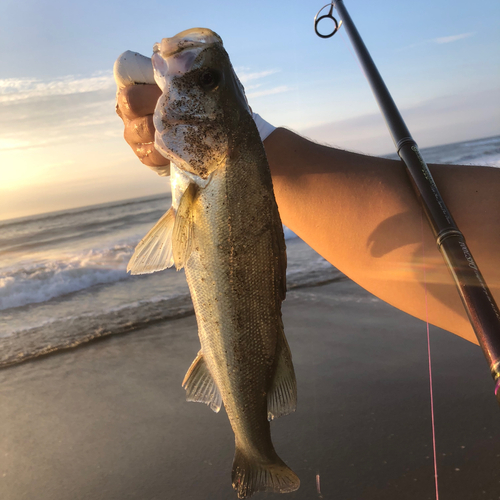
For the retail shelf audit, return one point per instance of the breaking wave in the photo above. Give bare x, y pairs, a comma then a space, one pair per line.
42, 281
70, 331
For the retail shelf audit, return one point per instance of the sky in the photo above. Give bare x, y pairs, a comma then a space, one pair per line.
61, 143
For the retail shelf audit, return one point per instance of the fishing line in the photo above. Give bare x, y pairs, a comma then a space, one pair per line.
426, 315
479, 303
317, 440
426, 306
353, 55
429, 360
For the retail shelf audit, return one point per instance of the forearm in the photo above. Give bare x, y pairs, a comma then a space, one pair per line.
361, 214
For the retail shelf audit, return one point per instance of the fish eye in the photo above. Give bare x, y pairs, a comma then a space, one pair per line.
209, 79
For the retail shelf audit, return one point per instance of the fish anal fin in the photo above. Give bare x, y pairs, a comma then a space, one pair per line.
200, 385
182, 235
282, 396
154, 251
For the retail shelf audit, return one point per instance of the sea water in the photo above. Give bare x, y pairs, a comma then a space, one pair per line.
63, 278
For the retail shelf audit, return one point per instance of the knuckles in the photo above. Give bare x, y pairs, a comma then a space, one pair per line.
140, 130
137, 100
123, 104
135, 106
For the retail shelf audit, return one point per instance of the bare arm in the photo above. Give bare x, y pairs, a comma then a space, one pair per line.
360, 213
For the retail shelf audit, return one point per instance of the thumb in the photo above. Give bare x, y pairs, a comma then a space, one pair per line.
131, 68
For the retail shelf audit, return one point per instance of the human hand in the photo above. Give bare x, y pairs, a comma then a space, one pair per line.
136, 100
135, 103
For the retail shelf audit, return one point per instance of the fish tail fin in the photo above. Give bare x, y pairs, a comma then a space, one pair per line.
251, 475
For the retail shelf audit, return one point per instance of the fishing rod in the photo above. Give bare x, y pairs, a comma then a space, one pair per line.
477, 299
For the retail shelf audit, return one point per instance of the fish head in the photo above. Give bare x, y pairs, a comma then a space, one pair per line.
202, 101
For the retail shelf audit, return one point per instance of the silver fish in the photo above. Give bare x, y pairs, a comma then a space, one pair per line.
224, 229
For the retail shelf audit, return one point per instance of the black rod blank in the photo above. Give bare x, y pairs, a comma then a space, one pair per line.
478, 301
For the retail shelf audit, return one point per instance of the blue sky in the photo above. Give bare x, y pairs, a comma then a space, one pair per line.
61, 143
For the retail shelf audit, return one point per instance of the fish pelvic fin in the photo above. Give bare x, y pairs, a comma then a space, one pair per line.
154, 251
182, 234
200, 385
282, 397
251, 475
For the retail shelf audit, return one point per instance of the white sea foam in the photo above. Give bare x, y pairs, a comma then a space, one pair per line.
482, 142
491, 160
39, 281
35, 282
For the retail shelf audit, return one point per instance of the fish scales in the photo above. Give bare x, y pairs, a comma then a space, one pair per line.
231, 277
224, 229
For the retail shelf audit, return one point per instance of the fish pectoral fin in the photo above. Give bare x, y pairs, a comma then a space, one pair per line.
282, 398
200, 385
154, 251
182, 236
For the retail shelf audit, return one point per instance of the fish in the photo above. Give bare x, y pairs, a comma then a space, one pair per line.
224, 230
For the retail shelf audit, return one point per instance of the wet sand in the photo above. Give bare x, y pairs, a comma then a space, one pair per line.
109, 421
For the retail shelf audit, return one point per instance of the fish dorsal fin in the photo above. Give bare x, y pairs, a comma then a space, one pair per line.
200, 386
154, 251
182, 235
282, 397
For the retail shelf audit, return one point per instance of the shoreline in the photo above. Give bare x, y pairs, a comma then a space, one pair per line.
110, 422
36, 342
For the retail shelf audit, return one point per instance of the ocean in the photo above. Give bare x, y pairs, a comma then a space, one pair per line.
63, 279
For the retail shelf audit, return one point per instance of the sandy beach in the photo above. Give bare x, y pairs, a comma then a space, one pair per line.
109, 420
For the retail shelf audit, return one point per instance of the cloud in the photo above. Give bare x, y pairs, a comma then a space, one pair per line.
261, 93
437, 121
252, 87
453, 38
38, 113
247, 77
18, 89
439, 40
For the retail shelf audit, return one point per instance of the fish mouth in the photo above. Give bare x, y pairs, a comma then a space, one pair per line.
175, 55
188, 39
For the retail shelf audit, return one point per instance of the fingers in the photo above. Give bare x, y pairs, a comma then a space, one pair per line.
137, 100
140, 135
148, 155
135, 106
140, 130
